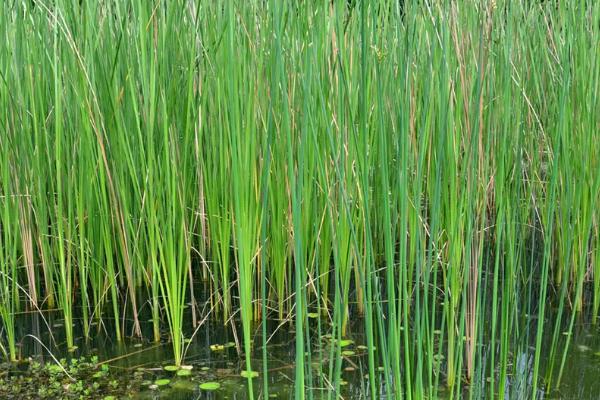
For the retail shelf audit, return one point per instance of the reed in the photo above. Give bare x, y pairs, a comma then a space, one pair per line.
426, 167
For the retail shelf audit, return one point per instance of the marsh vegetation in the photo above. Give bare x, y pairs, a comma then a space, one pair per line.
422, 175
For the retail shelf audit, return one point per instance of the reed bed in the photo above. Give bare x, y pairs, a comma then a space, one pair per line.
429, 166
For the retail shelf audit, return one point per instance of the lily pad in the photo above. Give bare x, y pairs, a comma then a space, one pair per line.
162, 382
348, 353
184, 372
249, 374
171, 368
210, 385
346, 342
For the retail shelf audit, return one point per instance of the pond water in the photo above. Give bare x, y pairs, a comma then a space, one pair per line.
136, 368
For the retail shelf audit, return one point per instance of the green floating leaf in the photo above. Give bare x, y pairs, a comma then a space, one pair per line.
188, 367
171, 368
162, 382
312, 315
217, 347
361, 347
229, 344
249, 374
210, 385
184, 372
348, 353
346, 342
54, 369
110, 397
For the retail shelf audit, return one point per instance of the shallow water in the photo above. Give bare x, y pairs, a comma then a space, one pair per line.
135, 365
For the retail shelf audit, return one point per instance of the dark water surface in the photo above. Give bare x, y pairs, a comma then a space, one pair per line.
135, 365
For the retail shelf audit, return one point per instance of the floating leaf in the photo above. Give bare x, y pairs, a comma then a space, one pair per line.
188, 367
162, 382
210, 385
346, 342
249, 374
361, 347
184, 372
171, 368
348, 353
217, 347
312, 315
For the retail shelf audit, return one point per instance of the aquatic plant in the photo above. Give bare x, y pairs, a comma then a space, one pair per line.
428, 167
